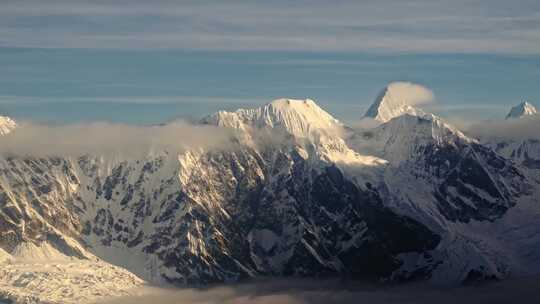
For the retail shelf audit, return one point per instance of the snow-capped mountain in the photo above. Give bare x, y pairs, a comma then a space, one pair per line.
521, 110
6, 125
448, 181
298, 117
297, 194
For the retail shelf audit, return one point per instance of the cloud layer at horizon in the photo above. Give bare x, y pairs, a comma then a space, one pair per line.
388, 25
510, 129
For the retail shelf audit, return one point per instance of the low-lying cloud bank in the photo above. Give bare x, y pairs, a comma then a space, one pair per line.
103, 138
293, 291
511, 129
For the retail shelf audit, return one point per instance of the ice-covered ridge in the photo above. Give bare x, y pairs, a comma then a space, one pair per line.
298, 117
398, 98
6, 125
521, 110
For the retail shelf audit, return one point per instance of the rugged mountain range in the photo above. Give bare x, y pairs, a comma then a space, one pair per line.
298, 193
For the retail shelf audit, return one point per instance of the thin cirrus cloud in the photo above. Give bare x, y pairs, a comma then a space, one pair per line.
392, 26
7, 99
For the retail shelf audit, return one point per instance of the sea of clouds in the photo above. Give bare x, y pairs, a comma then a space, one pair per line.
307, 291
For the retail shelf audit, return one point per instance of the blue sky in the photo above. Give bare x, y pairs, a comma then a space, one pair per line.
152, 61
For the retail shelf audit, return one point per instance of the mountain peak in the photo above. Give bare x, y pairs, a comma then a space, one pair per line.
399, 98
297, 116
523, 109
6, 125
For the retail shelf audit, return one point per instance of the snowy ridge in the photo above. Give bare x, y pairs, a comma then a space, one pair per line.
302, 119
6, 125
521, 110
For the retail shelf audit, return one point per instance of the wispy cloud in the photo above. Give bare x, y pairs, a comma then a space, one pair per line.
389, 25
101, 138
